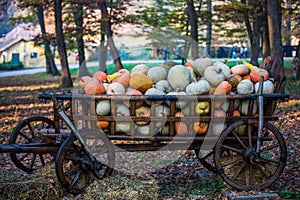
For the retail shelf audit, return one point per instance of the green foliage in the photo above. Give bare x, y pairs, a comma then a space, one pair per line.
11, 66
289, 194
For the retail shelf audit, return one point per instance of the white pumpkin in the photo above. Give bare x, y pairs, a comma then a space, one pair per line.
140, 68
214, 75
157, 73
122, 111
164, 86
225, 68
268, 87
179, 77
245, 105
197, 87
103, 107
142, 130
245, 87
115, 88
179, 103
201, 64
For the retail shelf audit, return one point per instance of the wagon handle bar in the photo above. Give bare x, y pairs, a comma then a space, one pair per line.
55, 102
261, 112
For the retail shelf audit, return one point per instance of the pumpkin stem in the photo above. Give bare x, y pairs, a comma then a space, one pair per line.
219, 69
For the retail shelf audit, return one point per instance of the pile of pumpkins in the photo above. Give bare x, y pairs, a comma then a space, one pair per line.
198, 77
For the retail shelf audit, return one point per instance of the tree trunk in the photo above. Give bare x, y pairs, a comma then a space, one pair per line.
78, 18
265, 35
103, 50
110, 42
296, 63
274, 26
61, 46
194, 28
254, 31
208, 30
52, 69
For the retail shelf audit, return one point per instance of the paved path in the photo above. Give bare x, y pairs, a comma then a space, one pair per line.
71, 66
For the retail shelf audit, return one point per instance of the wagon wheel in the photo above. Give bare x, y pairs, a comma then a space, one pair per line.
74, 170
244, 169
207, 160
27, 132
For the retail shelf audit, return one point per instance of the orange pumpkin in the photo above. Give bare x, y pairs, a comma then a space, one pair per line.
123, 78
101, 76
83, 80
181, 127
94, 86
247, 77
189, 64
102, 124
201, 127
256, 73
223, 88
236, 113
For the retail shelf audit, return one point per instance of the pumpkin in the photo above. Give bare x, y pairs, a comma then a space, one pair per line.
225, 105
180, 127
94, 86
236, 113
268, 87
123, 78
192, 73
201, 64
223, 88
202, 107
83, 80
103, 107
163, 85
240, 70
131, 91
102, 124
140, 68
157, 73
142, 130
168, 64
101, 76
220, 113
115, 88
154, 91
197, 87
234, 79
179, 103
245, 87
246, 77
163, 112
179, 77
225, 68
189, 64
122, 111
214, 75
140, 82
113, 76
256, 73
244, 108
142, 112
200, 127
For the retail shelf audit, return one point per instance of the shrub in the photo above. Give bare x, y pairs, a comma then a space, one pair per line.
11, 65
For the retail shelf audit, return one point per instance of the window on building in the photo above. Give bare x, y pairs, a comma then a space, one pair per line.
33, 55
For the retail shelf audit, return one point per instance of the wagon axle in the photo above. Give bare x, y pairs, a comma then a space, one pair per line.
250, 156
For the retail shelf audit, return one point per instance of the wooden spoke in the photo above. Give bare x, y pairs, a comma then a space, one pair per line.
232, 161
70, 172
29, 140
76, 178
249, 135
263, 171
33, 160
24, 156
268, 148
270, 160
238, 139
251, 177
232, 149
31, 130
42, 159
239, 171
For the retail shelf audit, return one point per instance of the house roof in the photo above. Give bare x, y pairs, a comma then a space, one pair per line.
21, 32
8, 43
